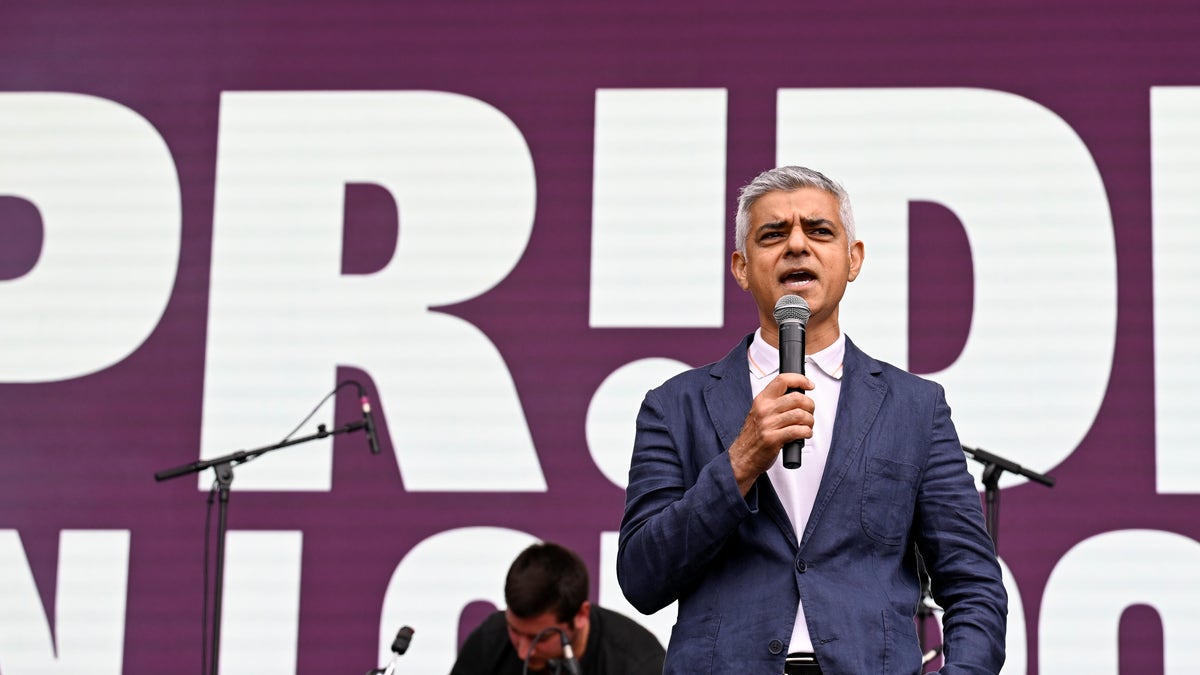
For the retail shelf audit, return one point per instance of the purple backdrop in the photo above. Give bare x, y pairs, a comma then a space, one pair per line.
80, 453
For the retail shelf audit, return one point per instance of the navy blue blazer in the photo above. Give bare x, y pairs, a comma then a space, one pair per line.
895, 475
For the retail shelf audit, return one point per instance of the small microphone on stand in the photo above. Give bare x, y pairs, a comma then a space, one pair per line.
399, 646
569, 662
369, 423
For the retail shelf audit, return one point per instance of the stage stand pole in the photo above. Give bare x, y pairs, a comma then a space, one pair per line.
223, 469
991, 492
224, 474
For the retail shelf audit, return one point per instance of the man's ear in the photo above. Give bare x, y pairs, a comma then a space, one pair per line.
737, 265
581, 617
857, 253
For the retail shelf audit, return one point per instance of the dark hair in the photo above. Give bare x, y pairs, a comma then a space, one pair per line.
546, 577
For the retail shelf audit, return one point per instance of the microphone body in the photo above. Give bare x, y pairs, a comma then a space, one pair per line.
369, 424
399, 646
791, 360
569, 662
791, 313
403, 638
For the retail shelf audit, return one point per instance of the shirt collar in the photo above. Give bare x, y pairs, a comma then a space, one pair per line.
764, 359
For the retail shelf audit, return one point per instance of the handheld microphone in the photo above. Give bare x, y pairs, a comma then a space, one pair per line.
369, 425
791, 313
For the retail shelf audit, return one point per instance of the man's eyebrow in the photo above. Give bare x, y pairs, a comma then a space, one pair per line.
814, 221
805, 221
518, 631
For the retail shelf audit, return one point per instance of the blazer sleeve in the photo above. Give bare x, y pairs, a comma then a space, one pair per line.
965, 575
682, 505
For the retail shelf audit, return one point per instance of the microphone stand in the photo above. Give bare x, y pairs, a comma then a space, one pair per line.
993, 467
926, 608
223, 470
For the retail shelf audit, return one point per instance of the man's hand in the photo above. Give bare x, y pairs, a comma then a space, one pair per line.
775, 418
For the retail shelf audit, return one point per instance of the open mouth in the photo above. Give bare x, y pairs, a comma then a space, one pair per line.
797, 279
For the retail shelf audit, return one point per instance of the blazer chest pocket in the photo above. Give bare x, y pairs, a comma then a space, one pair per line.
889, 492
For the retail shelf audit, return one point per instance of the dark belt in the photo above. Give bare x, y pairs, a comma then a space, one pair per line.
801, 663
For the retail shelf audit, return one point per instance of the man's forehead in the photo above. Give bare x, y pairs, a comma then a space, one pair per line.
534, 623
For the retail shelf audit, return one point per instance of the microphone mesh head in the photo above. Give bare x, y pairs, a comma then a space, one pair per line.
791, 308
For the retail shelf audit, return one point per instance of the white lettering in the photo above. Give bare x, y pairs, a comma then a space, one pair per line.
1175, 164
282, 315
1016, 647
105, 185
609, 426
658, 208
1031, 199
89, 606
1098, 579
261, 603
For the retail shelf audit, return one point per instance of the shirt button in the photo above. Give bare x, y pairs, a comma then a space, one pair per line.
776, 647
801, 566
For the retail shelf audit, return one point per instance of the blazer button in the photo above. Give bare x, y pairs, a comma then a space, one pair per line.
776, 647
801, 566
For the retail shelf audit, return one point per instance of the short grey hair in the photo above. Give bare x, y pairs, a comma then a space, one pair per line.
787, 179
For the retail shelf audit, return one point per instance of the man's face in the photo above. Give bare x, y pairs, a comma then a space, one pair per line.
797, 245
523, 632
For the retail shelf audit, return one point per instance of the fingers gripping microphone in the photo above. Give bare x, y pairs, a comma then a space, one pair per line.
791, 313
369, 424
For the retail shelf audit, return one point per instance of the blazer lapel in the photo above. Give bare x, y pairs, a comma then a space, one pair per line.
862, 396
727, 398
727, 395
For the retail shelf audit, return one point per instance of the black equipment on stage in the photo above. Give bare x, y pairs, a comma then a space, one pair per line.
399, 646
994, 465
223, 470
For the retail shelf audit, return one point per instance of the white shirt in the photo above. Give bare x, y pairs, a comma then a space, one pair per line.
797, 488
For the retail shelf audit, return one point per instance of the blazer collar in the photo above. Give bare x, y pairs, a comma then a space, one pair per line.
727, 398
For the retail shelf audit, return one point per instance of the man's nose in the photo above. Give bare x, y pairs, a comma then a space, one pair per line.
524, 645
797, 240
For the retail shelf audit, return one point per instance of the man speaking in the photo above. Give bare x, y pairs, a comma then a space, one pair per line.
808, 569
